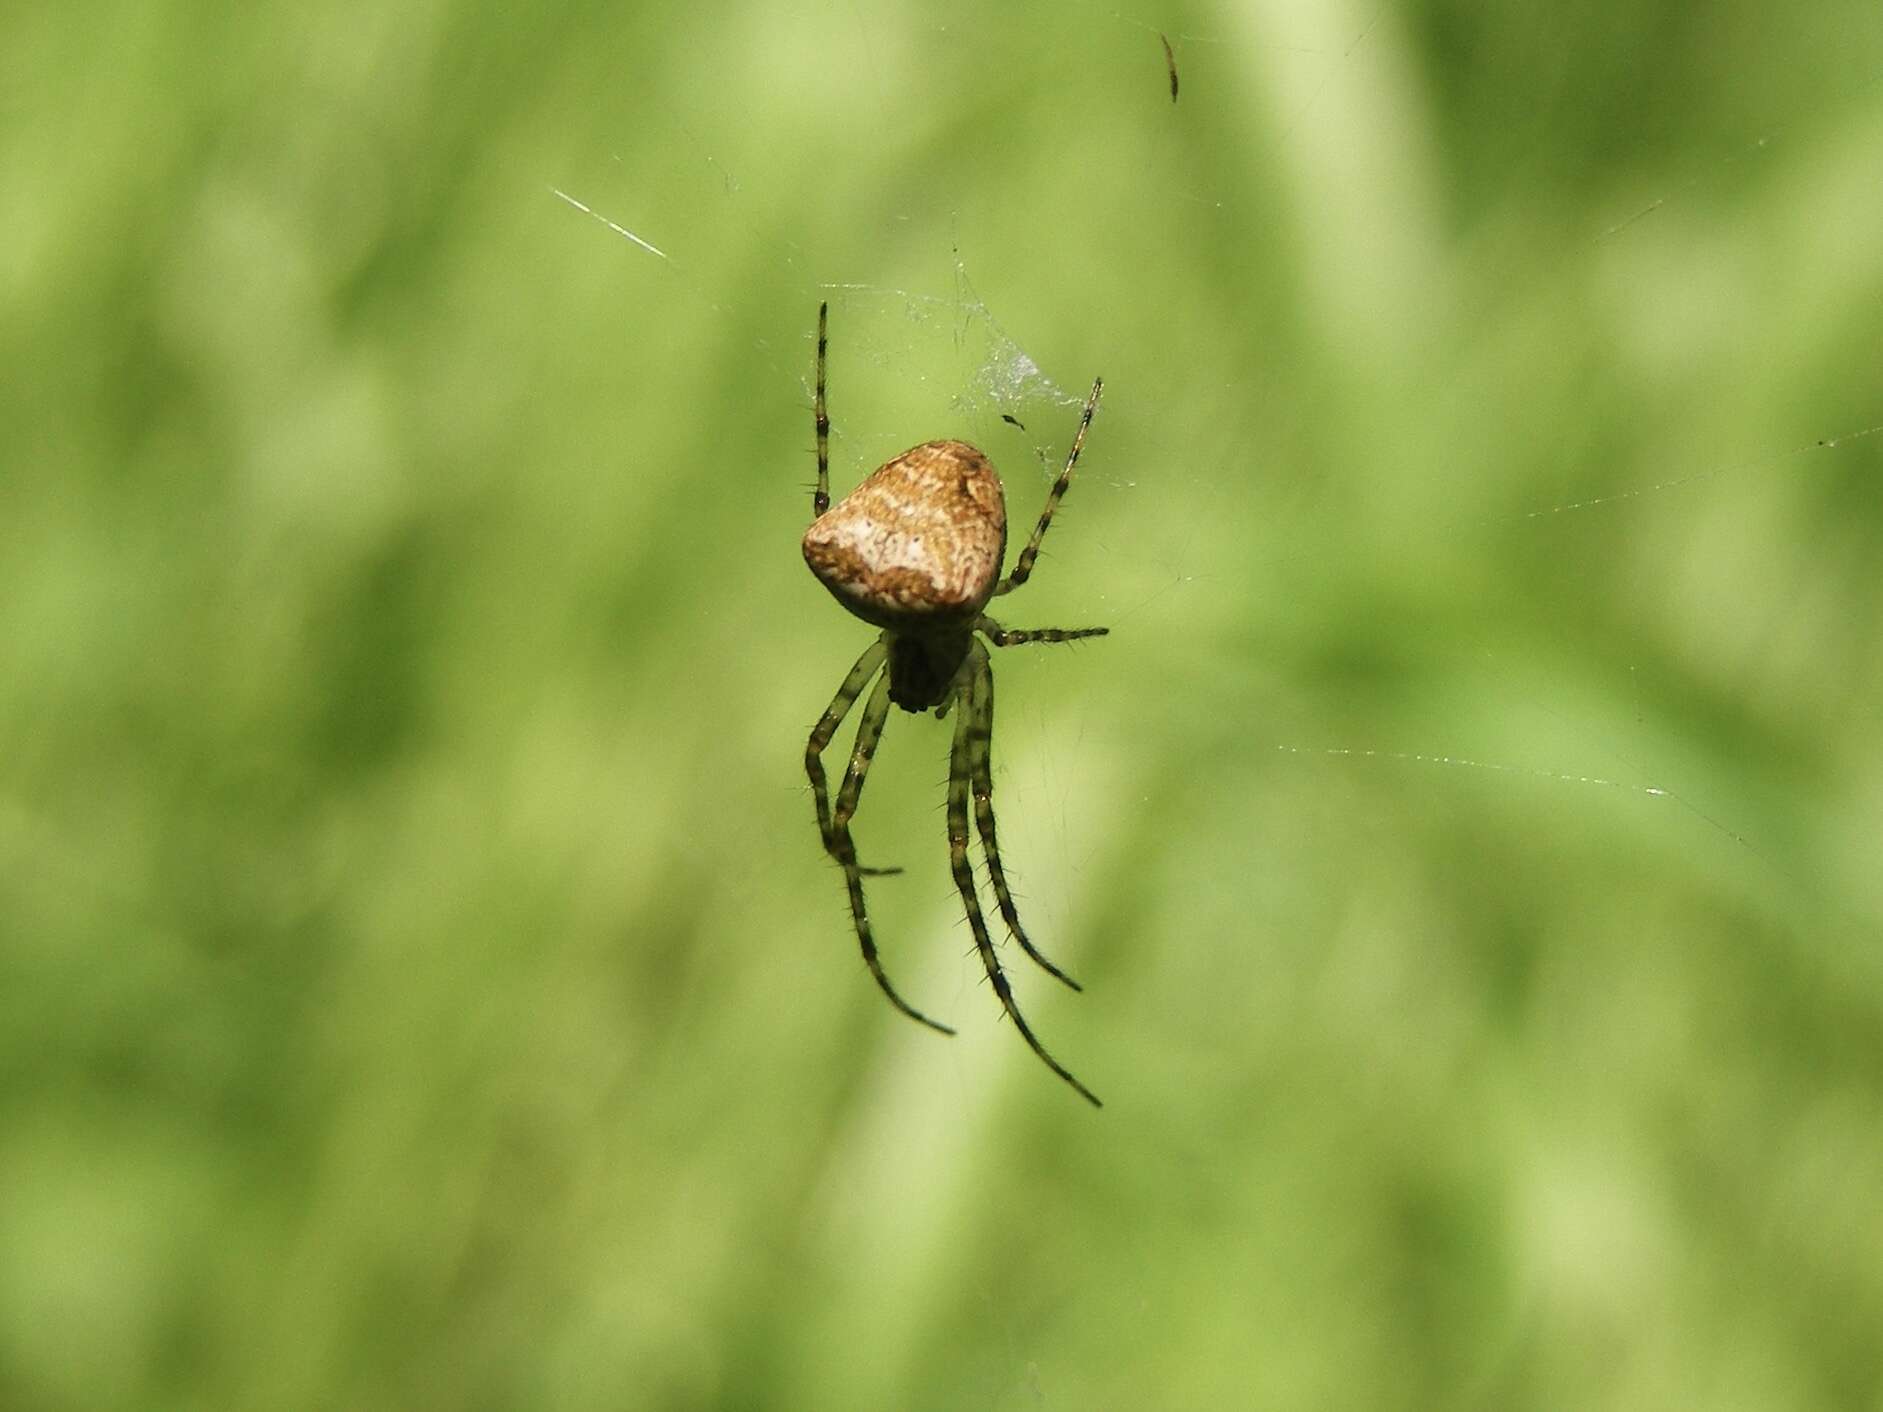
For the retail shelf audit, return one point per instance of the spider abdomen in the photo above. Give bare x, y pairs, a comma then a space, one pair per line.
917, 547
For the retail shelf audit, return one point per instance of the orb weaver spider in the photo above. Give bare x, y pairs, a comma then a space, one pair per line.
916, 551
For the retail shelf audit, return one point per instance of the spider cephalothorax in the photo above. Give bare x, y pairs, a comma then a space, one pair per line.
916, 550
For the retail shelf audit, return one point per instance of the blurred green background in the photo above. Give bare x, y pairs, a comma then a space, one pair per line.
422, 985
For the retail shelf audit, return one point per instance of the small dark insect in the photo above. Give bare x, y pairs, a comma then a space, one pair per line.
916, 551
1012, 420
1170, 62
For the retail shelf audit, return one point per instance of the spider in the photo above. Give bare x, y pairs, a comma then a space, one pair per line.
916, 550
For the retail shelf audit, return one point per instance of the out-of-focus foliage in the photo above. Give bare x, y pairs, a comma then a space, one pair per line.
421, 985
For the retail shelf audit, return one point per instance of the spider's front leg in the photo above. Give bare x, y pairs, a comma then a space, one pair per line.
867, 666
835, 824
980, 742
971, 733
850, 793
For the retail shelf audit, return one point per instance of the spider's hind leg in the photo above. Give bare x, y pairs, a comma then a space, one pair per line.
1023, 566
820, 414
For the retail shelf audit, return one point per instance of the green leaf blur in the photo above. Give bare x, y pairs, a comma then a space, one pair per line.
420, 982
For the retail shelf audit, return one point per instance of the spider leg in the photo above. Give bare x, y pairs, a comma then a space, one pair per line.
820, 498
981, 707
960, 771
836, 825
862, 752
1020, 637
1023, 566
866, 667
